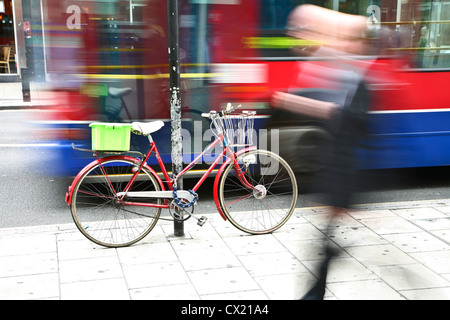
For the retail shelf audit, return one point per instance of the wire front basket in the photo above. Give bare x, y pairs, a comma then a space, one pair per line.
238, 129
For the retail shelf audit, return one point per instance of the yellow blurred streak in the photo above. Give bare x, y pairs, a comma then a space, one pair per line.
161, 65
233, 89
277, 42
146, 76
419, 48
413, 22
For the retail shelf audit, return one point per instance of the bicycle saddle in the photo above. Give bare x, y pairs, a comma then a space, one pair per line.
146, 128
119, 92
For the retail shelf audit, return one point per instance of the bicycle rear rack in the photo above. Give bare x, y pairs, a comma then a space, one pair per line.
107, 152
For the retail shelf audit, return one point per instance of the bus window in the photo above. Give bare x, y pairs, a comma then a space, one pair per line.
7, 34
433, 35
272, 40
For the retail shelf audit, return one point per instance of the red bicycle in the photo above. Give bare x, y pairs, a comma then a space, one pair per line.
117, 200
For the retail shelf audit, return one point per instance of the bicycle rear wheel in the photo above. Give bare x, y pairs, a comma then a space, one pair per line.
269, 202
101, 216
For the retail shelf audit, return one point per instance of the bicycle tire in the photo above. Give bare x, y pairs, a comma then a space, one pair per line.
266, 207
98, 213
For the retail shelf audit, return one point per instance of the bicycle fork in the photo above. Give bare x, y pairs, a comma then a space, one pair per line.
249, 159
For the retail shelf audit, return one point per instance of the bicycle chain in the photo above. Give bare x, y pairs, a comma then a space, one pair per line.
184, 205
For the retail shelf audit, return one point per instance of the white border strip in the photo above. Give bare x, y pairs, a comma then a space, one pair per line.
27, 145
410, 111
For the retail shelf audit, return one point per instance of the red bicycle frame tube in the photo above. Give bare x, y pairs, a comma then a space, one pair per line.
144, 161
197, 159
219, 175
198, 184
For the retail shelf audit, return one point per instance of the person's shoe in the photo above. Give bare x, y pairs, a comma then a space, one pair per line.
318, 291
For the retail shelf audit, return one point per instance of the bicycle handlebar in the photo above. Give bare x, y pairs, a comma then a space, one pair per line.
228, 110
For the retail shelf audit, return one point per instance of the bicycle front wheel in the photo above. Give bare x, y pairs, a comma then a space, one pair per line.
264, 198
100, 214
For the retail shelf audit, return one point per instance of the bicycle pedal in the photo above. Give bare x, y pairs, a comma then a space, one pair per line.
201, 221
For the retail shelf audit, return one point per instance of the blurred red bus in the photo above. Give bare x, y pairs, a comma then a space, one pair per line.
410, 66
238, 51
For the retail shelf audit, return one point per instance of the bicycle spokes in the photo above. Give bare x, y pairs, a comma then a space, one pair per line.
258, 192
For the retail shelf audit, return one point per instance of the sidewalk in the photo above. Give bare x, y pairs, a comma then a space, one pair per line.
11, 95
391, 251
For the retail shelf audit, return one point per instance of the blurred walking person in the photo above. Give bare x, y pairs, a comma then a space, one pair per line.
341, 100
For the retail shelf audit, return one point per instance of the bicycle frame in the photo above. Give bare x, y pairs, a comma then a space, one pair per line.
171, 182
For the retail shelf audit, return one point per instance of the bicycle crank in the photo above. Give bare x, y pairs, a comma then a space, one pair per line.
178, 213
181, 214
